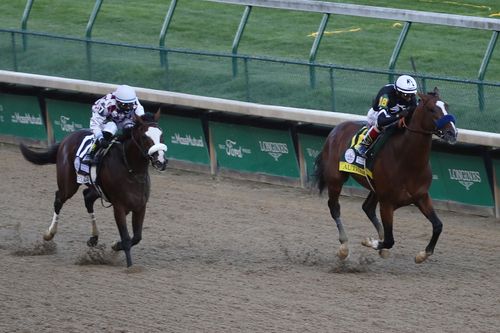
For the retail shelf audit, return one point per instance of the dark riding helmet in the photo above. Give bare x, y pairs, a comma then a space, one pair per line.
125, 98
406, 86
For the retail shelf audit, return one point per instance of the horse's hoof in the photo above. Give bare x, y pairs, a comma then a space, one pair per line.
48, 236
92, 242
384, 253
117, 246
367, 242
421, 257
370, 242
343, 251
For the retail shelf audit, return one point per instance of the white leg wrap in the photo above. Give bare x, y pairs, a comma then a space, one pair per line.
53, 225
95, 232
375, 243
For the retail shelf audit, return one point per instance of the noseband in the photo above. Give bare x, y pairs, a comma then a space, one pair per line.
153, 149
145, 154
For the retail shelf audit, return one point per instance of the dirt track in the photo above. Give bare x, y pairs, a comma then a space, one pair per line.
221, 255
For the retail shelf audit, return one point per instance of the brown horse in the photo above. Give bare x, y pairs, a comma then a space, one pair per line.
123, 177
401, 172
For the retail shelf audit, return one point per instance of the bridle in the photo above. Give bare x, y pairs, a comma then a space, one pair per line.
438, 125
146, 154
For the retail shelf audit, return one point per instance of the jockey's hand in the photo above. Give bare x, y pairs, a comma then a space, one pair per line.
403, 112
103, 143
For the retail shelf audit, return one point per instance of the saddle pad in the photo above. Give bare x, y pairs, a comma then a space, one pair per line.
351, 161
82, 167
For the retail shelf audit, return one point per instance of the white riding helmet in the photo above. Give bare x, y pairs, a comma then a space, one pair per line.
125, 98
406, 84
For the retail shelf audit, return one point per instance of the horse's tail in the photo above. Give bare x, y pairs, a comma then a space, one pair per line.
318, 173
40, 157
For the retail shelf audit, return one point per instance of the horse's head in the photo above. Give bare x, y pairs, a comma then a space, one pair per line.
432, 114
149, 138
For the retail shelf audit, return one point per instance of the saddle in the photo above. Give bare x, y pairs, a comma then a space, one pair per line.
352, 162
86, 169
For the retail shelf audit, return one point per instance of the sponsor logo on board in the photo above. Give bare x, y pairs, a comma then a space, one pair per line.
465, 177
312, 152
67, 125
275, 149
187, 140
233, 149
26, 119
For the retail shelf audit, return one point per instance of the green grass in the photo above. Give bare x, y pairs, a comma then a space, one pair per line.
278, 34
202, 25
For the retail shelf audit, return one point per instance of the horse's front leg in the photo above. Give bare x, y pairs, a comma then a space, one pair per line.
90, 196
425, 206
137, 222
125, 243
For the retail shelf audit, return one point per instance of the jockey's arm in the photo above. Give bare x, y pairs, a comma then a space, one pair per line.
386, 118
96, 123
139, 110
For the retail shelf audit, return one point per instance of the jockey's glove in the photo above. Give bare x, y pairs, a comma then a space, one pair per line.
403, 113
105, 139
103, 143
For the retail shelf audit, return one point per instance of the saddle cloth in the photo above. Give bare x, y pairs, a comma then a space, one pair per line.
351, 161
81, 162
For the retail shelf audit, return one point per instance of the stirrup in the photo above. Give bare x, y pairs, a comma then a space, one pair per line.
95, 159
362, 149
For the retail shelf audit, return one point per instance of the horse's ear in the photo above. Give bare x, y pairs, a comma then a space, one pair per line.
157, 115
138, 119
422, 96
436, 91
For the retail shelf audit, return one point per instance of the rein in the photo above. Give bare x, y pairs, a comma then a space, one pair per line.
419, 131
439, 124
138, 145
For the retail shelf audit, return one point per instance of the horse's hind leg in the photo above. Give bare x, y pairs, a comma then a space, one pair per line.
90, 196
67, 187
369, 207
425, 206
334, 206
60, 199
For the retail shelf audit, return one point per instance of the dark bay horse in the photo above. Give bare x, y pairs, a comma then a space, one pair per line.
122, 175
401, 172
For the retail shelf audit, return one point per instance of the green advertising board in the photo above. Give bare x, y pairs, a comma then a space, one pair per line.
496, 170
254, 149
66, 117
311, 146
185, 139
460, 178
20, 116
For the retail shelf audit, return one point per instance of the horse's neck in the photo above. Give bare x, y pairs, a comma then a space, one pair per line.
416, 144
134, 157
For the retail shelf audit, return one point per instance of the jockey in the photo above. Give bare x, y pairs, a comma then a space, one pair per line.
392, 102
111, 113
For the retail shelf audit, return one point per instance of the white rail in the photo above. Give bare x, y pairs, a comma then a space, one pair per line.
217, 104
374, 12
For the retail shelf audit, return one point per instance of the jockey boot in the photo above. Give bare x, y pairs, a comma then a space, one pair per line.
102, 143
92, 151
368, 140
